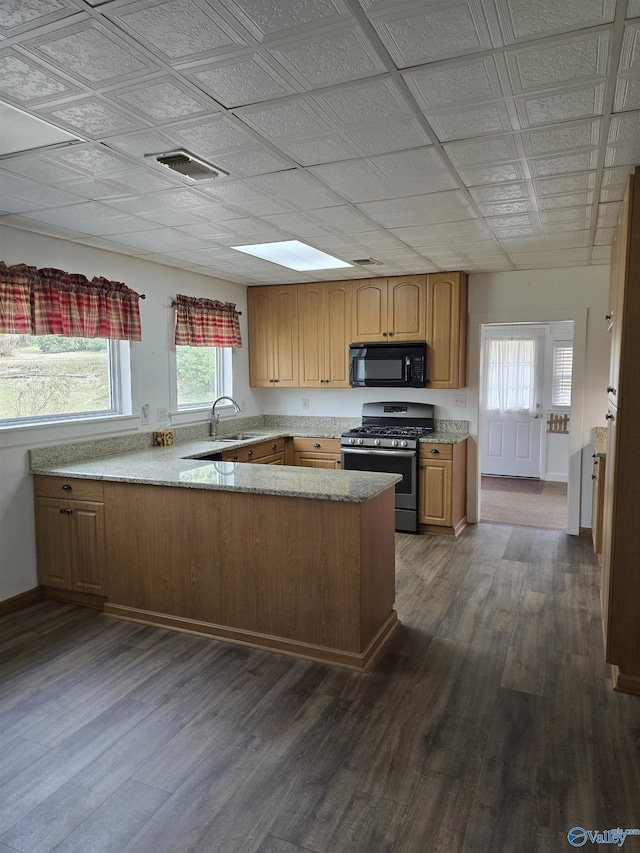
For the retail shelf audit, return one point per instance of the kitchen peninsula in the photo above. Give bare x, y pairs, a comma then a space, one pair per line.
292, 560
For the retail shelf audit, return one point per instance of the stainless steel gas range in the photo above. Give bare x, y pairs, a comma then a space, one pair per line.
387, 442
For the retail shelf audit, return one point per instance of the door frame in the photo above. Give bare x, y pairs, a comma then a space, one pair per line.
538, 315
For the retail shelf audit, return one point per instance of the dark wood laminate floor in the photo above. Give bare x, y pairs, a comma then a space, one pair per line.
489, 724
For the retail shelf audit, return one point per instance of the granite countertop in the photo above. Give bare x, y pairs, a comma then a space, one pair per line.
171, 466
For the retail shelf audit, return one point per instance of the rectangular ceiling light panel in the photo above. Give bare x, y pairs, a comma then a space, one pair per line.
294, 255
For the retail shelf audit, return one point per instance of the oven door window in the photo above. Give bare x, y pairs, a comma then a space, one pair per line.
382, 464
378, 369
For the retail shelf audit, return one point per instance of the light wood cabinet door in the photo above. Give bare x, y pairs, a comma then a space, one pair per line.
308, 459
273, 336
337, 333
87, 547
370, 311
70, 541
435, 493
446, 330
406, 301
53, 543
260, 334
284, 325
312, 336
598, 476
442, 487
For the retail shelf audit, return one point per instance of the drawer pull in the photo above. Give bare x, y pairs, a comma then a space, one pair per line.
434, 451
61, 512
274, 446
316, 444
66, 487
68, 511
249, 452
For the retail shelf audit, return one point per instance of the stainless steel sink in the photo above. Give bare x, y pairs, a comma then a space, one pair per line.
241, 436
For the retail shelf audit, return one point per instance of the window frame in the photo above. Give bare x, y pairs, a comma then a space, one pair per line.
224, 385
119, 363
561, 344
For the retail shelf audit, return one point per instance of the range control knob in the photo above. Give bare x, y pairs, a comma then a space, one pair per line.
403, 444
352, 441
360, 441
394, 443
377, 442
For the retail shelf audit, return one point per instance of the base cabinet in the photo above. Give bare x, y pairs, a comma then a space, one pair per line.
266, 453
70, 535
597, 503
316, 452
442, 488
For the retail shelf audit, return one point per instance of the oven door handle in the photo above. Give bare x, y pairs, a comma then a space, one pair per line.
377, 452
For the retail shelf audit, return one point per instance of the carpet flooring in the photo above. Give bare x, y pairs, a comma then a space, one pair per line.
528, 503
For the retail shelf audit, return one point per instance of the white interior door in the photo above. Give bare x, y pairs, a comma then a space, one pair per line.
511, 413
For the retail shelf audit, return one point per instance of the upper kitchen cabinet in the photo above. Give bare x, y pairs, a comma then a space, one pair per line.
325, 334
389, 309
273, 336
447, 330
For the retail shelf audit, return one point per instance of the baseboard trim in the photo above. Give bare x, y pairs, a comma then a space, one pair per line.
623, 683
18, 602
585, 533
441, 530
68, 596
358, 661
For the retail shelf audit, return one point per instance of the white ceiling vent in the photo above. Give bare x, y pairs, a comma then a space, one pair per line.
187, 165
366, 262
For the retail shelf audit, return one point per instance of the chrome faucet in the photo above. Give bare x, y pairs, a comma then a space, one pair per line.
215, 418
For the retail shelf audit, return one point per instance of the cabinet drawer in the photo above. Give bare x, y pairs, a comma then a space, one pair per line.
435, 451
68, 487
317, 445
255, 452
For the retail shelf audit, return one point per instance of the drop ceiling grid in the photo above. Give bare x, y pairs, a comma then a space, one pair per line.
505, 103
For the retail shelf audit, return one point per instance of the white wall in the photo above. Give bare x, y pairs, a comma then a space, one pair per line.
149, 378
579, 293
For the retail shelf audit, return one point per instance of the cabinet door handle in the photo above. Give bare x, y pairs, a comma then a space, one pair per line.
609, 417
315, 444
66, 487
61, 512
607, 317
434, 451
68, 511
611, 389
384, 334
390, 334
593, 476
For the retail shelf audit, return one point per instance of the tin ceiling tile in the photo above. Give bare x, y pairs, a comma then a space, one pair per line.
563, 163
561, 62
20, 194
209, 138
521, 19
499, 173
91, 54
287, 120
162, 101
474, 152
627, 95
252, 161
390, 136
321, 148
564, 137
432, 34
466, 122
179, 30
24, 81
363, 103
499, 193
240, 81
576, 102
459, 82
331, 58
18, 16
92, 118
268, 18
143, 142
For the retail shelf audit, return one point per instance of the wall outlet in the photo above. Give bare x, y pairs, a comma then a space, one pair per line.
305, 404
460, 401
163, 414
144, 414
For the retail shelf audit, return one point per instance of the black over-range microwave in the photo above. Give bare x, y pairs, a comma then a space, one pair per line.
401, 365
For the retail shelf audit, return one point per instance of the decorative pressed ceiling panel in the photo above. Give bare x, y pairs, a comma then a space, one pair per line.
475, 134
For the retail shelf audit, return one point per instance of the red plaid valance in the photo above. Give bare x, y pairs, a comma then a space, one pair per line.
52, 302
206, 323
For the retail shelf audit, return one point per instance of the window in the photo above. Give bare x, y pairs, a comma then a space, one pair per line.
200, 375
54, 377
511, 374
562, 370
